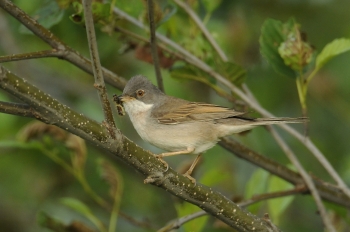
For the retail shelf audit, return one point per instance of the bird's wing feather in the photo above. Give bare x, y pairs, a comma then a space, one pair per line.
194, 111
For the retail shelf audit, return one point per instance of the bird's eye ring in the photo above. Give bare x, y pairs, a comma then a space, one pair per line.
140, 92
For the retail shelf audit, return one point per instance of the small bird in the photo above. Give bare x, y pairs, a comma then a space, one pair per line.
179, 126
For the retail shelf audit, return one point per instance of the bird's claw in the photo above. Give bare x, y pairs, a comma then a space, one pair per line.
193, 180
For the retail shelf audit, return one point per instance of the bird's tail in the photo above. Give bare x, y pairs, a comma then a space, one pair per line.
270, 121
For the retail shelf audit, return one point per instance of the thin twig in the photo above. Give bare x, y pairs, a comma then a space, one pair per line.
273, 195
32, 55
202, 27
97, 69
308, 181
176, 224
328, 191
69, 54
254, 104
153, 41
19, 109
206, 33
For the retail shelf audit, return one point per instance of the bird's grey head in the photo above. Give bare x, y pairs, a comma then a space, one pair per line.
140, 88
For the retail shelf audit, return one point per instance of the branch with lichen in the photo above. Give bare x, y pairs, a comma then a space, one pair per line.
327, 191
177, 223
213, 202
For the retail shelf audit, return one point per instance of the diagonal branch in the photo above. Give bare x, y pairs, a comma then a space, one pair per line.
32, 55
327, 191
175, 224
145, 162
245, 97
308, 181
202, 27
17, 109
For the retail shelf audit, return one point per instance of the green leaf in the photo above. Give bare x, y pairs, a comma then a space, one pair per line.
101, 11
335, 48
295, 51
257, 184
184, 209
78, 16
273, 34
48, 15
233, 72
278, 205
84, 210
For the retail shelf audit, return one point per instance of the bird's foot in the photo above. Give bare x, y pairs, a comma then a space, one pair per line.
188, 175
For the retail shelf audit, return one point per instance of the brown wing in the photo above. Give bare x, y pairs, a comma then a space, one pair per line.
194, 111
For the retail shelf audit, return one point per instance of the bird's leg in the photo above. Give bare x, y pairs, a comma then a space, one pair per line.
160, 156
190, 170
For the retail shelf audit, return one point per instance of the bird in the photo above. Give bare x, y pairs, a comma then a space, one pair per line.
179, 126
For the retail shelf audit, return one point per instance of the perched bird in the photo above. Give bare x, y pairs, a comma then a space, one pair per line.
179, 126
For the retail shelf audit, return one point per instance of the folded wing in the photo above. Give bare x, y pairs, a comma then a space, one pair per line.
194, 111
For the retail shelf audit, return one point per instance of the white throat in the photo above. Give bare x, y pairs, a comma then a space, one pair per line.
136, 107
139, 114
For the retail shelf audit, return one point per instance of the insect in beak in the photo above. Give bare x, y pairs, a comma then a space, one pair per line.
119, 103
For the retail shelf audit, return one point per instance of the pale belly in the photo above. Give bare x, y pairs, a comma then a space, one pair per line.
172, 137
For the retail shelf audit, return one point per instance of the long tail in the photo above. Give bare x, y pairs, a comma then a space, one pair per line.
240, 124
270, 121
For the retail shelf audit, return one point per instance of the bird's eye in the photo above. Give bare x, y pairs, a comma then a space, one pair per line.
140, 92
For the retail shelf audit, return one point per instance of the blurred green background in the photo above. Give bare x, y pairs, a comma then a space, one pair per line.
30, 182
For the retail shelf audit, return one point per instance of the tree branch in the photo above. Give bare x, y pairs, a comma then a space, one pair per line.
327, 191
153, 41
175, 224
252, 103
32, 55
67, 53
308, 181
19, 109
202, 27
288, 151
145, 162
97, 69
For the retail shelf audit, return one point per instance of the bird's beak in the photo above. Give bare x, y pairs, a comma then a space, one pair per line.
121, 99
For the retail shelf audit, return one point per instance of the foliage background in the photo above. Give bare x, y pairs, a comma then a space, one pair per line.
30, 182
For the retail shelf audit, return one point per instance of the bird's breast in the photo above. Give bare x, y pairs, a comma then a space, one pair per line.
139, 114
